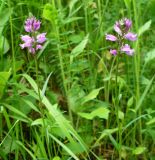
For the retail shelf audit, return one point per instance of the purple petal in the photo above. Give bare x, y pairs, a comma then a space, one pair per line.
32, 50
126, 48
22, 46
41, 38
32, 24
38, 46
131, 36
28, 28
111, 37
36, 25
29, 24
127, 23
113, 51
117, 29
26, 38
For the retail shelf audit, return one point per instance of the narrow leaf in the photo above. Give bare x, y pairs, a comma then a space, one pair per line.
144, 28
80, 47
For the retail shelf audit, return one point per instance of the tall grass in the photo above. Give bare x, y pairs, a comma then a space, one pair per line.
73, 99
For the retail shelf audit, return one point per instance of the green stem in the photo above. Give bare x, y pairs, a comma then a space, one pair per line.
12, 44
137, 70
61, 61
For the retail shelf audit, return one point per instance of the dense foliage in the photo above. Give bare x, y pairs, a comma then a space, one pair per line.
72, 84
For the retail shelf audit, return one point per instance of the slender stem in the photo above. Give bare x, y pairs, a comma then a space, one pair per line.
137, 70
12, 44
61, 62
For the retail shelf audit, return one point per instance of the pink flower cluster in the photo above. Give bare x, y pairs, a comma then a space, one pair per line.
34, 41
122, 27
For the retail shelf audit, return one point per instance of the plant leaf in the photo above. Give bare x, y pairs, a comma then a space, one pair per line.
4, 45
92, 95
149, 56
138, 150
144, 28
4, 76
80, 47
99, 112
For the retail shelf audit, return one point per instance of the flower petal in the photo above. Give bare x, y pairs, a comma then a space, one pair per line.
113, 51
131, 36
111, 37
41, 38
126, 48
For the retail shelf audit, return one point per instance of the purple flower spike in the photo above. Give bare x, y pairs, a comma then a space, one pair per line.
127, 23
131, 36
122, 28
126, 48
111, 37
33, 43
113, 51
41, 38
31, 24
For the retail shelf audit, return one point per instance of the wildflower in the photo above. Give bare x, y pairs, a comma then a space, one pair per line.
32, 24
117, 28
127, 23
122, 28
28, 41
111, 37
113, 51
131, 36
41, 38
126, 48
34, 41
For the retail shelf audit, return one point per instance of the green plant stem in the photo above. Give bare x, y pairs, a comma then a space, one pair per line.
12, 44
119, 123
40, 105
137, 70
61, 61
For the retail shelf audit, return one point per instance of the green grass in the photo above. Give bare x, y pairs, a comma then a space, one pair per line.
73, 99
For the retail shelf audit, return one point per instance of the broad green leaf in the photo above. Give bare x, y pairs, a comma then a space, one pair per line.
130, 102
4, 17
76, 148
144, 28
120, 115
80, 47
152, 121
138, 150
4, 76
37, 122
49, 12
99, 112
92, 95
127, 3
149, 56
4, 45
56, 158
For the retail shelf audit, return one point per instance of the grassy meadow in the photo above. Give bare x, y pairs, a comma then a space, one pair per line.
69, 92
